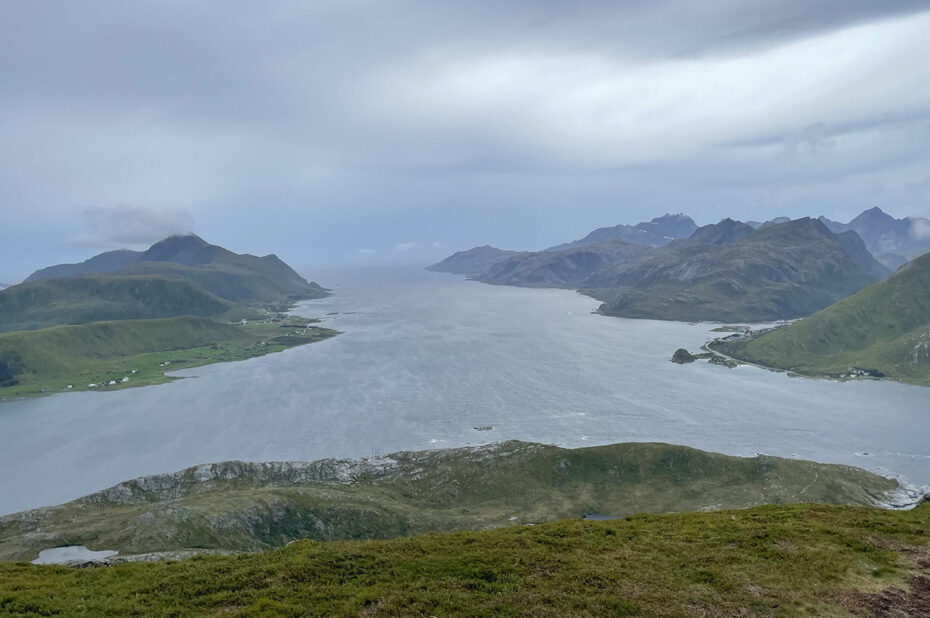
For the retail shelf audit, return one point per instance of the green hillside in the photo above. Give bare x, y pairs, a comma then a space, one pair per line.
238, 278
180, 275
803, 560
51, 359
81, 300
254, 506
884, 328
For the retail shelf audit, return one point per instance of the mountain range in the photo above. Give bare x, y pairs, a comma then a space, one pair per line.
778, 272
882, 331
724, 271
892, 241
180, 275
660, 231
668, 268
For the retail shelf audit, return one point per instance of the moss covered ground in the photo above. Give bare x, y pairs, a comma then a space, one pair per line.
796, 560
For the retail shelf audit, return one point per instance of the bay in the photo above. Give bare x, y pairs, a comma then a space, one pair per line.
430, 360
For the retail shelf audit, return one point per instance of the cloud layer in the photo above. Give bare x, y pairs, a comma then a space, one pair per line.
130, 226
316, 130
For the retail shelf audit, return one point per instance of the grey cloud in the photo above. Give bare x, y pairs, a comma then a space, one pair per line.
312, 129
131, 226
920, 228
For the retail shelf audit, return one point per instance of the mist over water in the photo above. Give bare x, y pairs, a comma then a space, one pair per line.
427, 358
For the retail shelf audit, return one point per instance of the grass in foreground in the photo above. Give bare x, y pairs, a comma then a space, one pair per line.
141, 351
766, 561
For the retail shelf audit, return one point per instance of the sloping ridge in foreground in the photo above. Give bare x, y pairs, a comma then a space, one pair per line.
253, 506
795, 560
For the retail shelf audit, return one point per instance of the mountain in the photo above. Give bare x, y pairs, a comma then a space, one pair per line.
761, 224
105, 263
567, 268
725, 272
658, 232
252, 506
884, 329
892, 241
239, 278
723, 233
781, 271
180, 275
472, 262
80, 300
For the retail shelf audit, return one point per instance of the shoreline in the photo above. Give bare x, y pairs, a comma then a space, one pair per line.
263, 337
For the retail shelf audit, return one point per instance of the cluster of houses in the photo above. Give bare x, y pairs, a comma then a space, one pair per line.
122, 380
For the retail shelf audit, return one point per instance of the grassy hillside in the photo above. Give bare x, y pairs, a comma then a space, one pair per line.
231, 282
51, 359
103, 264
239, 278
82, 300
767, 561
181, 275
253, 506
885, 328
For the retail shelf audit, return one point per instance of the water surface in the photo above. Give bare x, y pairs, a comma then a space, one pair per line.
427, 358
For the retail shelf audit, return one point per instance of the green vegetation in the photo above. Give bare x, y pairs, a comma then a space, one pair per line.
82, 300
767, 561
254, 506
884, 329
181, 275
52, 359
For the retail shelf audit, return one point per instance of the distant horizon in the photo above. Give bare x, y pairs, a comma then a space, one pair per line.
408, 257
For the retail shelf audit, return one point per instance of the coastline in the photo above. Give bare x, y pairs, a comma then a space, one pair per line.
257, 338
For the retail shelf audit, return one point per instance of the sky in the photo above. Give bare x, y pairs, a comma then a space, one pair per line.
382, 132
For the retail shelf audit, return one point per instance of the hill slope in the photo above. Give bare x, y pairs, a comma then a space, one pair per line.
181, 275
778, 272
71, 358
767, 561
472, 262
79, 300
884, 328
726, 271
660, 231
248, 506
892, 241
103, 264
238, 278
568, 268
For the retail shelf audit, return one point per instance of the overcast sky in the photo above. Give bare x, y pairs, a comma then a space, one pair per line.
378, 132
